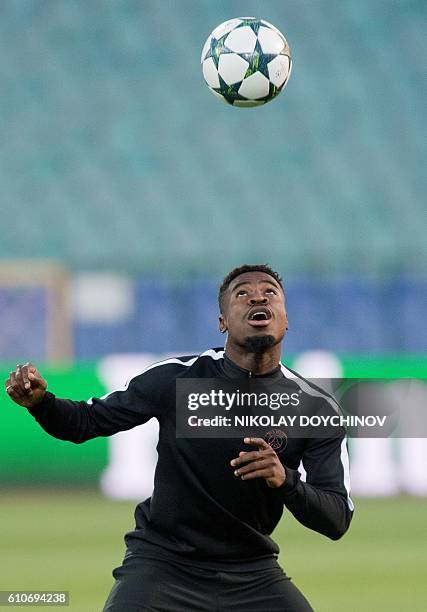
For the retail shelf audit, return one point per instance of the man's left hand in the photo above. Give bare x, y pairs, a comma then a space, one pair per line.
262, 463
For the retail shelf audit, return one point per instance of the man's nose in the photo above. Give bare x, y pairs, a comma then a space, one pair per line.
258, 298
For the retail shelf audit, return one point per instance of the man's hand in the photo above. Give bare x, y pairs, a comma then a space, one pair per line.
26, 386
263, 463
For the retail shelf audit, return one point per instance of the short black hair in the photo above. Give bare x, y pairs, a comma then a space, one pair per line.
241, 270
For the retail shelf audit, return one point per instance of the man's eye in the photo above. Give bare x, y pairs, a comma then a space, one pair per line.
241, 292
270, 291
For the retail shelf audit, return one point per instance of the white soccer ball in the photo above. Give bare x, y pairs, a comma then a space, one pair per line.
246, 61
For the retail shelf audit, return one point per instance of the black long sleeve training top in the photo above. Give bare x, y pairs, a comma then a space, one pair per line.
200, 513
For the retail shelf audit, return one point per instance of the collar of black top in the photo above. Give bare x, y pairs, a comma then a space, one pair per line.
232, 370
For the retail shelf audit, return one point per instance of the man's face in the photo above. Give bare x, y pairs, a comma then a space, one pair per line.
254, 306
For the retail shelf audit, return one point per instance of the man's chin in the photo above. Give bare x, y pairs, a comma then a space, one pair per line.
259, 343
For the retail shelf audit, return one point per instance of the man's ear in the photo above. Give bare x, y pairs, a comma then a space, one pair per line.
222, 324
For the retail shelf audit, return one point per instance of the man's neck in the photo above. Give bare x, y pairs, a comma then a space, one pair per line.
257, 363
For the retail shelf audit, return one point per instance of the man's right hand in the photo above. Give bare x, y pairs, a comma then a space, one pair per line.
26, 386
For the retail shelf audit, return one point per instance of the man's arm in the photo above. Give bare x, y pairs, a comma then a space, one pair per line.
322, 503
81, 421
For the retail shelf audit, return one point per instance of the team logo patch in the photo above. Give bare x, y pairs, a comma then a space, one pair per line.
277, 439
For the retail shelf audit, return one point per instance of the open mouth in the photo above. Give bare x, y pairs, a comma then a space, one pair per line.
259, 316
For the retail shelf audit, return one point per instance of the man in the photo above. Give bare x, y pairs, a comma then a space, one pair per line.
201, 542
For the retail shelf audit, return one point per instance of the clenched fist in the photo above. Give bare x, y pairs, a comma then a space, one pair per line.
26, 386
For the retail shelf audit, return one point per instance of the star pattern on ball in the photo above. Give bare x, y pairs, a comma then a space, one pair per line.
258, 61
254, 24
230, 92
217, 48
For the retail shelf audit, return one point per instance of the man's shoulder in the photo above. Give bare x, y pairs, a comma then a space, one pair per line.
310, 387
173, 366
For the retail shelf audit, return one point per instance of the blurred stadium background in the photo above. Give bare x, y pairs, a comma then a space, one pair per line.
128, 191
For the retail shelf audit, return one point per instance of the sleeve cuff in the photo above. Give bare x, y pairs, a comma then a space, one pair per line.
39, 408
291, 482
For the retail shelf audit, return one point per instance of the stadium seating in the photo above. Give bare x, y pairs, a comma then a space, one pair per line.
113, 143
116, 157
347, 316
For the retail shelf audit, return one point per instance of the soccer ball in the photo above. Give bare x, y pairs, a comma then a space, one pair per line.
246, 61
